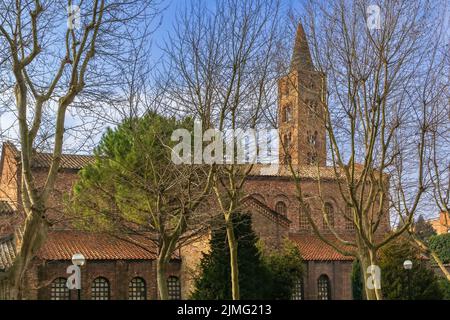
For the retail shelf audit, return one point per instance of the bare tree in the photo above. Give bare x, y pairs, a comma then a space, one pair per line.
376, 96
51, 63
222, 67
438, 165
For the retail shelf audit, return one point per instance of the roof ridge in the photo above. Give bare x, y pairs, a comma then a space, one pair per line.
275, 214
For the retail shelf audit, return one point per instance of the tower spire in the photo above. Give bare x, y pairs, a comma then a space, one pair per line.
301, 56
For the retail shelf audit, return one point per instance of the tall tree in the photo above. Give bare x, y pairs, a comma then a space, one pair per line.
134, 188
382, 70
263, 275
214, 281
222, 67
47, 61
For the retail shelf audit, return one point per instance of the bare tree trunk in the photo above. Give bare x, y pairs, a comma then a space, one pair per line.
233, 245
36, 228
368, 258
161, 269
22, 31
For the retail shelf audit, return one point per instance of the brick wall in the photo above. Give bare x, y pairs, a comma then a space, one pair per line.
338, 273
274, 189
270, 232
191, 256
9, 190
118, 272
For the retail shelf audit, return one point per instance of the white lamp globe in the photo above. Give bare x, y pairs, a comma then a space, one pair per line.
407, 264
78, 259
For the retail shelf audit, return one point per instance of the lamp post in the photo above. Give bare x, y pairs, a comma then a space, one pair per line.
408, 266
78, 260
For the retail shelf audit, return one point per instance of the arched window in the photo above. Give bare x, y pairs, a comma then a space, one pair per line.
312, 138
323, 288
137, 289
281, 208
59, 290
287, 114
303, 222
310, 84
287, 158
311, 158
297, 293
100, 289
287, 141
286, 88
329, 212
349, 225
312, 109
174, 288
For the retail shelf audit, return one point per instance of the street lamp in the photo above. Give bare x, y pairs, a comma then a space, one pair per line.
407, 265
79, 260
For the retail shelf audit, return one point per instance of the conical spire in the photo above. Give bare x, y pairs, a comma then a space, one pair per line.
301, 57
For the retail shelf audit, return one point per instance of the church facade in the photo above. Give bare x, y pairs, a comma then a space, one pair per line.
126, 269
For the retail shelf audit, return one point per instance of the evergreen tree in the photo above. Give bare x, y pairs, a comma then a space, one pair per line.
444, 286
421, 284
214, 281
134, 187
270, 277
357, 279
441, 245
285, 268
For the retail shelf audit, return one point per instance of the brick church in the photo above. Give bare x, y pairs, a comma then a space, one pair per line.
125, 268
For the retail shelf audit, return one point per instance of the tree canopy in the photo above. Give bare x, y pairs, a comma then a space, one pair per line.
441, 245
133, 179
134, 187
421, 284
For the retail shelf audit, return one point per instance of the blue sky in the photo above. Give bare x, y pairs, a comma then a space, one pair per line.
172, 7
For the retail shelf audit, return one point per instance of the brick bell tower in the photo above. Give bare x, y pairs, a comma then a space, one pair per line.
300, 109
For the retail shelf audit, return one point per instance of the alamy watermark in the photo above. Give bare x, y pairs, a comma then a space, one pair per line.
73, 17
238, 146
74, 280
373, 21
373, 281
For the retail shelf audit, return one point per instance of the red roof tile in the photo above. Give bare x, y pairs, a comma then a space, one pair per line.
44, 159
302, 171
68, 161
61, 245
314, 249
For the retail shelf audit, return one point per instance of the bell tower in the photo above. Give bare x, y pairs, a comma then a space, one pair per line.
301, 109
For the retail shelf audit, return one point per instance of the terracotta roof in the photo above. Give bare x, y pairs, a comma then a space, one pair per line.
314, 249
61, 245
301, 57
44, 159
303, 171
68, 161
7, 252
284, 171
